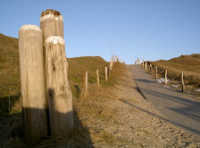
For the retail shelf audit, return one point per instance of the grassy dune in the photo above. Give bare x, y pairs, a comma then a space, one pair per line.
10, 90
189, 64
9, 71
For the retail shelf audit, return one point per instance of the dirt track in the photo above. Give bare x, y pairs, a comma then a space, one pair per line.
180, 109
125, 119
119, 117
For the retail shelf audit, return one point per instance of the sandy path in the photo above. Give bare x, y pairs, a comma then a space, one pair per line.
135, 122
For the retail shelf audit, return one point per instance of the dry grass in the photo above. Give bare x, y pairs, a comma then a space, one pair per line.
189, 64
89, 107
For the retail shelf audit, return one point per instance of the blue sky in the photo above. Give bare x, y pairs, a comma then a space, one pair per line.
153, 29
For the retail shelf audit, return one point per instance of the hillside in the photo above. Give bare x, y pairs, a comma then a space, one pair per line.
9, 74
9, 69
189, 64
11, 129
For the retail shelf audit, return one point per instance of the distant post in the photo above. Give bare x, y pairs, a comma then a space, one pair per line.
34, 101
111, 63
182, 82
150, 67
106, 73
86, 84
156, 75
98, 81
57, 87
166, 77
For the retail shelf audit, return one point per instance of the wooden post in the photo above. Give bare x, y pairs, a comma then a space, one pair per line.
98, 80
57, 87
111, 64
156, 75
51, 23
34, 101
106, 73
166, 77
182, 82
86, 84
150, 67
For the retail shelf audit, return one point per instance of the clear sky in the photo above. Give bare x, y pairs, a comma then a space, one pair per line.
153, 29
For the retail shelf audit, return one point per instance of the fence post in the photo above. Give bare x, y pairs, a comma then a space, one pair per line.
32, 79
182, 82
166, 77
156, 76
98, 81
86, 84
51, 23
106, 73
111, 63
57, 87
150, 67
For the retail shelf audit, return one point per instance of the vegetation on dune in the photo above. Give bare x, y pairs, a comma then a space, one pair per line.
10, 92
189, 64
9, 74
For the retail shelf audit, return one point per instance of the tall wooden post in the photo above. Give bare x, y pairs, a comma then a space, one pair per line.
182, 82
106, 73
150, 67
51, 23
86, 84
111, 63
156, 74
166, 77
57, 87
98, 80
34, 100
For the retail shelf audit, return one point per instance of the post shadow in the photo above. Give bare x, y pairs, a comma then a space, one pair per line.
197, 132
12, 127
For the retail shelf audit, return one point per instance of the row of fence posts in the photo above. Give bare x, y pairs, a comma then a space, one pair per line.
148, 67
107, 73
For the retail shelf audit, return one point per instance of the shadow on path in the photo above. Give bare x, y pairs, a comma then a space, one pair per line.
162, 118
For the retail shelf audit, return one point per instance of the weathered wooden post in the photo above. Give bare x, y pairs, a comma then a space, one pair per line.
150, 67
34, 101
57, 87
182, 82
51, 23
86, 84
145, 66
106, 73
111, 63
166, 77
156, 74
98, 80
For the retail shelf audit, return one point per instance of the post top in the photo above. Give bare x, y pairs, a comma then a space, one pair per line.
50, 11
55, 40
51, 14
30, 27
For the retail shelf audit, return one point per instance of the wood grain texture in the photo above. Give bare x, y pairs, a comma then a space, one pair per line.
58, 88
106, 73
51, 25
34, 101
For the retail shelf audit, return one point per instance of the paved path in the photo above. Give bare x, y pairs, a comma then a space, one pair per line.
179, 109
